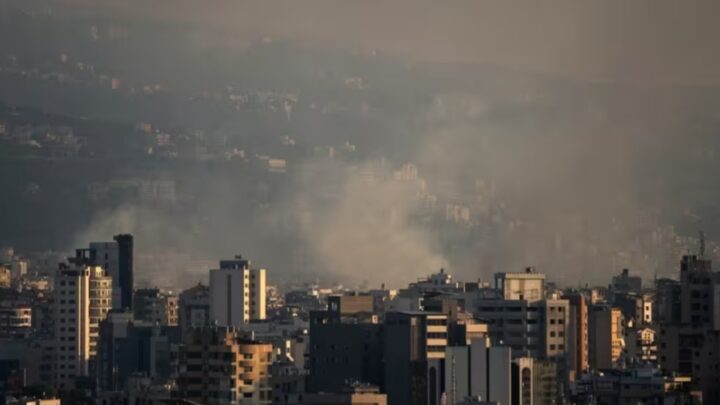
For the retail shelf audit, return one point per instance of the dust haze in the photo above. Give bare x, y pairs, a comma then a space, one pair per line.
579, 138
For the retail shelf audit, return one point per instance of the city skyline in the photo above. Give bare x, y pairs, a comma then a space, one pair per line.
321, 202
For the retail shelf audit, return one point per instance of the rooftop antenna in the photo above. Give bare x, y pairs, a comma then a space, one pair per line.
702, 245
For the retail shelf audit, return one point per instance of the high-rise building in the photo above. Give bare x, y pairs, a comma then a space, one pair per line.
688, 315
237, 293
605, 337
116, 258
125, 276
577, 335
82, 300
100, 304
218, 366
156, 307
72, 325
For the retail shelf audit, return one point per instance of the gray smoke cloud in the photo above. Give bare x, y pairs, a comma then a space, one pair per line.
573, 133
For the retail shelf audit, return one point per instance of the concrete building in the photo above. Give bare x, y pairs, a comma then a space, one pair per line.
83, 297
218, 366
237, 293
640, 345
116, 258
20, 364
351, 304
634, 386
100, 297
686, 311
129, 348
477, 371
577, 335
440, 282
194, 307
342, 349
528, 286
72, 325
545, 383
523, 370
155, 306
605, 337
689, 323
414, 352
15, 318
538, 329
625, 283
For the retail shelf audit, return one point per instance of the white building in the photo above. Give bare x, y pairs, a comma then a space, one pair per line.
237, 293
82, 300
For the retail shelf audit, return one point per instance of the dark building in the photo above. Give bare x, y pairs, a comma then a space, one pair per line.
125, 268
346, 347
625, 283
128, 348
116, 258
577, 335
689, 325
414, 357
194, 307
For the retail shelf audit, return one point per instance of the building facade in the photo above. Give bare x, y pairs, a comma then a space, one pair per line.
237, 293
218, 366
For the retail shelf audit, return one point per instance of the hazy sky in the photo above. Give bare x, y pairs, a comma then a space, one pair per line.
642, 41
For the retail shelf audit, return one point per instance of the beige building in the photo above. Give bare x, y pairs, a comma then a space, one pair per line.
218, 366
529, 286
100, 303
72, 325
15, 318
556, 328
605, 337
